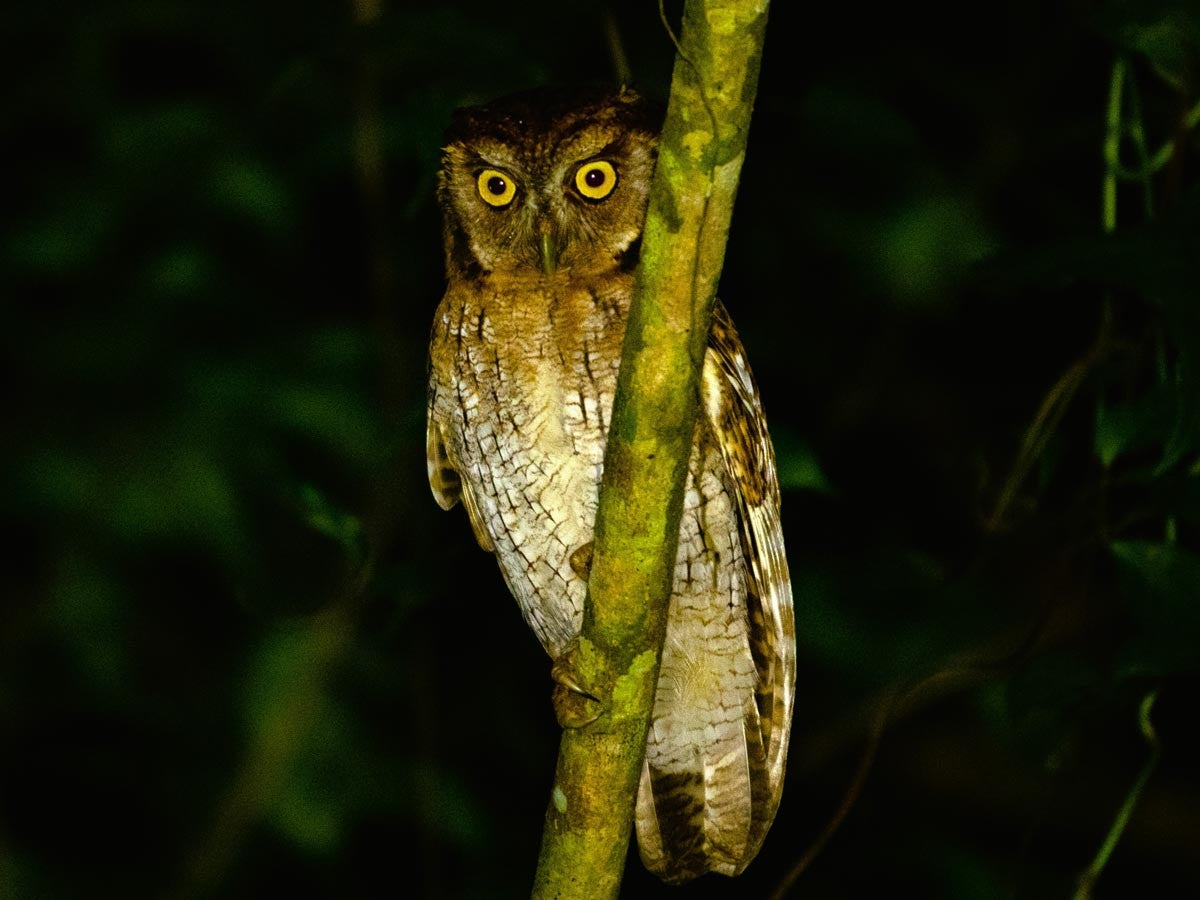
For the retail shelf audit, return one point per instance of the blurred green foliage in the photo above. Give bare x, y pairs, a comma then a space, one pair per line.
242, 651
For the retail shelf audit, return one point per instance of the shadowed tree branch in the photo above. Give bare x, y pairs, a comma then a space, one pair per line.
590, 816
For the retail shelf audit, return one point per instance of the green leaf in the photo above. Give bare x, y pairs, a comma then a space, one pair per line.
182, 491
445, 805
283, 675
145, 488
335, 417
927, 243
1161, 585
1166, 33
1048, 699
148, 143
797, 464
1160, 263
1129, 427
966, 873
254, 192
309, 816
184, 269
68, 236
327, 781
1184, 437
323, 517
89, 608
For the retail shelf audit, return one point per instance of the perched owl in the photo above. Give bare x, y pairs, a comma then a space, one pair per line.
543, 197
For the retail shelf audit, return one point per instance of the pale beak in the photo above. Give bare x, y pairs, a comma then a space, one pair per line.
548, 252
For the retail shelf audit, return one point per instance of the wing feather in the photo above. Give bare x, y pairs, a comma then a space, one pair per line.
734, 411
444, 478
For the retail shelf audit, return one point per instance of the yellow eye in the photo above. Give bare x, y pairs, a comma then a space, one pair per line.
596, 180
496, 188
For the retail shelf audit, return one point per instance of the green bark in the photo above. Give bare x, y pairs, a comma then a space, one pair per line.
590, 816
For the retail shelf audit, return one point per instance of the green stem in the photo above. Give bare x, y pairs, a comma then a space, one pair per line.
1137, 134
622, 72
1190, 120
1112, 147
1090, 875
590, 816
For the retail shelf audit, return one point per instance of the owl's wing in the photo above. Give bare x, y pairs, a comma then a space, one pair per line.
734, 412
444, 478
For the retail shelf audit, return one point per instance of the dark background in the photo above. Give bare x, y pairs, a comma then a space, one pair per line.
243, 653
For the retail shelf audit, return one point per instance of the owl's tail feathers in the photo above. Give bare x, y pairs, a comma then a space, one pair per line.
710, 810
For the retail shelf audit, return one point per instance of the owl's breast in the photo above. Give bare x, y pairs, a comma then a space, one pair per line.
531, 381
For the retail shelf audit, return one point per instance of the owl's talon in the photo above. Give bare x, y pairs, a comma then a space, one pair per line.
573, 709
581, 560
574, 705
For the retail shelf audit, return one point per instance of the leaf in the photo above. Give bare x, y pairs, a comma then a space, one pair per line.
283, 674
326, 783
797, 464
1130, 427
967, 873
70, 235
183, 490
156, 486
335, 417
1048, 699
323, 517
254, 192
1184, 499
309, 816
1165, 32
1161, 586
445, 805
89, 606
926, 243
1158, 262
1184, 435
182, 270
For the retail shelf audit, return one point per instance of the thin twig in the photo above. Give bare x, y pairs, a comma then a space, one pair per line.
1045, 423
616, 49
1137, 134
972, 669
1089, 876
1058, 399
1189, 120
1112, 146
849, 799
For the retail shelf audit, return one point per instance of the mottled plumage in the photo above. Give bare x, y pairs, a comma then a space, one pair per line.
544, 197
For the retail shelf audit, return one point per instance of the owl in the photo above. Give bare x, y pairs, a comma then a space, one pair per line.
543, 197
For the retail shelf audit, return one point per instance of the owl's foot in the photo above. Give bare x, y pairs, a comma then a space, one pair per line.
574, 705
581, 560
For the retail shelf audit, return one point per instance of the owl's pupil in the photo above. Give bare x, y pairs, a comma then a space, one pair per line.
594, 178
496, 185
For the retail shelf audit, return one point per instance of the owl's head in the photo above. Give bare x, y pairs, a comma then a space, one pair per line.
547, 180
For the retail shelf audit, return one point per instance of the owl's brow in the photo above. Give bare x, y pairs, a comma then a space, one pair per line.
573, 147
578, 131
479, 157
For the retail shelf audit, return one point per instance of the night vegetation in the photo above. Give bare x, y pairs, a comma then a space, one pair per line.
242, 651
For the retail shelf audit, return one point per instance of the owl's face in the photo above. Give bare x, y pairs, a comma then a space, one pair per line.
544, 182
